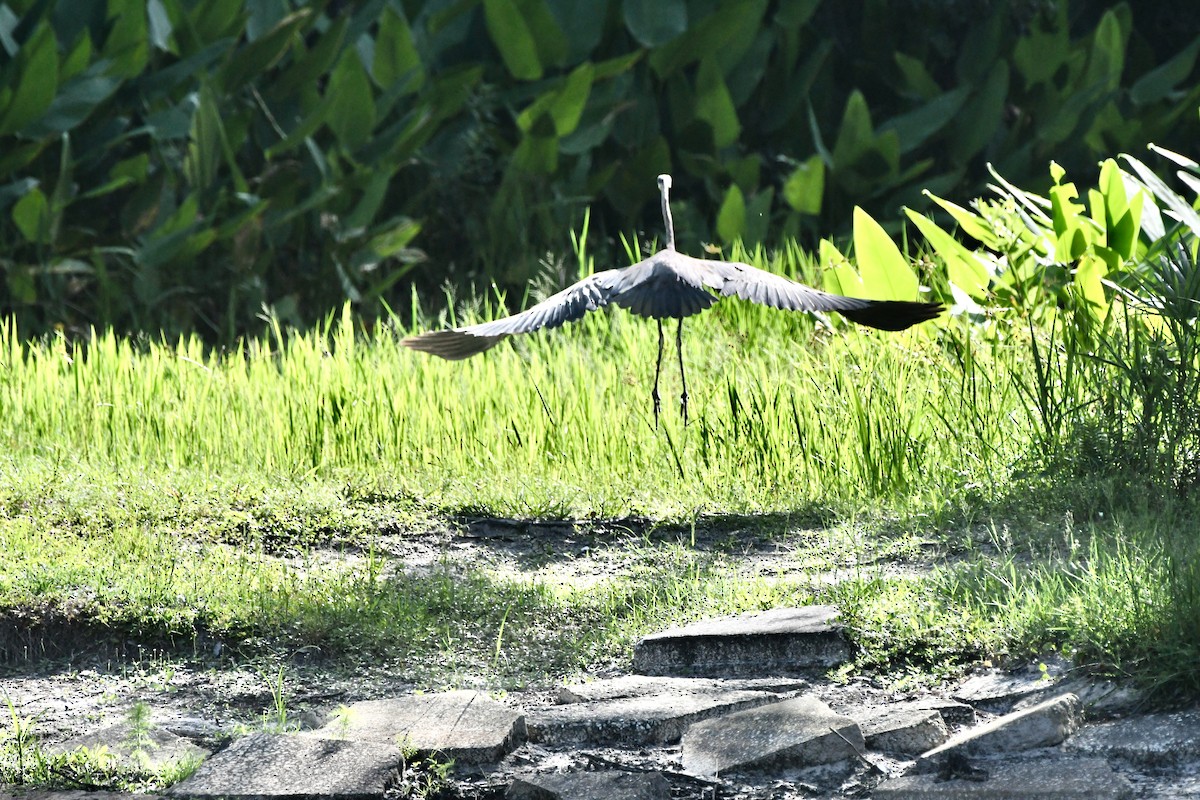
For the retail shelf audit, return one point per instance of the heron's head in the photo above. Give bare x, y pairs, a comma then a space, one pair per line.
664, 182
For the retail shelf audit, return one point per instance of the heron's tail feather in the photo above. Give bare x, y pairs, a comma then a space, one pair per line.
893, 315
451, 344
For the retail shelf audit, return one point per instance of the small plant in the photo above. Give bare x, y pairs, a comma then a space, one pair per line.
140, 727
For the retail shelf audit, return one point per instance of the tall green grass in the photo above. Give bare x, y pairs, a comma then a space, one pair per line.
175, 492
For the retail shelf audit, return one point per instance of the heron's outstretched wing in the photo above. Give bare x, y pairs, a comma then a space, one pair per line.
731, 278
589, 294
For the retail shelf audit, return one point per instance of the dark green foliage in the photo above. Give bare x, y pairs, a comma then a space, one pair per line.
184, 164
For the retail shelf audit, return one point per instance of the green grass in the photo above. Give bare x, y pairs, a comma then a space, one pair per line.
186, 496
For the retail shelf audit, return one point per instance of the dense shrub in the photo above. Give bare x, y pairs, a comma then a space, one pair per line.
183, 164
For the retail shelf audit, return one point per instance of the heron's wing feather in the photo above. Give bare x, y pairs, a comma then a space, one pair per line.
759, 286
589, 294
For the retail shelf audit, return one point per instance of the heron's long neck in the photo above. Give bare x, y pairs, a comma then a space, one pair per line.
666, 209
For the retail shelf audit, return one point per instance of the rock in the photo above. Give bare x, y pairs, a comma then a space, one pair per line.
466, 726
952, 711
1043, 725
783, 639
902, 728
1153, 740
997, 690
644, 685
636, 721
1048, 779
154, 747
591, 786
1100, 699
266, 765
795, 733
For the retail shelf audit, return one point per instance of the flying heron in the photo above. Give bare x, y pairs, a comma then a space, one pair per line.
671, 284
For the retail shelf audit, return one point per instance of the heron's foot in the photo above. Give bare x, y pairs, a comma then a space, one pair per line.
683, 398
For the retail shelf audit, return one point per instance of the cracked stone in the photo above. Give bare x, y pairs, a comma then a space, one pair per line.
1046, 724
591, 786
266, 765
782, 639
1048, 779
797, 733
466, 726
636, 721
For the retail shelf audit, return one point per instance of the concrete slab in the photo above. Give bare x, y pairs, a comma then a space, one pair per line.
1043, 725
953, 712
636, 721
645, 685
1152, 740
153, 747
1049, 779
266, 765
1000, 690
902, 728
795, 733
466, 726
611, 785
779, 640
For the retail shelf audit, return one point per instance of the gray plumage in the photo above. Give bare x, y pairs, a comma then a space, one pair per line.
670, 285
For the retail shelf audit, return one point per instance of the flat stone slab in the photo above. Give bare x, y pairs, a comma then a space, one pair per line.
1152, 740
1044, 725
154, 747
646, 685
794, 733
636, 721
902, 728
953, 712
782, 639
611, 785
464, 725
265, 765
1049, 779
1001, 690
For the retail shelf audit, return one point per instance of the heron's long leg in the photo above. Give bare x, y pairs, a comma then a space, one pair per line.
657, 369
682, 376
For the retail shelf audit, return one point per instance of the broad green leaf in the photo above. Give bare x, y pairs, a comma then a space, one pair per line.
804, 189
127, 46
714, 105
837, 273
35, 82
1106, 60
856, 134
917, 79
160, 25
203, 157
884, 270
536, 154
915, 127
396, 56
1038, 55
655, 22
217, 19
1089, 283
963, 267
31, 215
616, 66
310, 66
731, 218
1165, 195
1064, 209
257, 57
571, 99
985, 110
393, 239
972, 224
1161, 81
512, 37
352, 114
76, 100
582, 23
547, 35
77, 60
